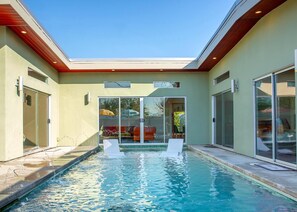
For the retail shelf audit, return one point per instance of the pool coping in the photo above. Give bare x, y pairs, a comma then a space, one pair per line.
57, 166
250, 174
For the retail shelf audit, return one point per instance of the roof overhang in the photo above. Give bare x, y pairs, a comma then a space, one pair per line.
241, 18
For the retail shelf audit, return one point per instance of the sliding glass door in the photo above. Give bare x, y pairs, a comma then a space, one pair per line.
275, 97
141, 119
154, 119
109, 118
130, 120
263, 93
35, 119
223, 121
175, 118
285, 118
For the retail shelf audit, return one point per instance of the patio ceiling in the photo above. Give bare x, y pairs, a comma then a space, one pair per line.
241, 18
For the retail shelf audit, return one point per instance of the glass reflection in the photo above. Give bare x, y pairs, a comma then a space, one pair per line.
108, 118
175, 115
263, 94
130, 114
30, 138
154, 119
224, 119
160, 114
285, 117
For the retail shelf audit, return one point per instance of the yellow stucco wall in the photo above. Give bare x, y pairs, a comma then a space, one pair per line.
78, 122
266, 48
18, 57
2, 92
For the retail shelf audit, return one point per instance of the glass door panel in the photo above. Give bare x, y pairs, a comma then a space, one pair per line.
130, 116
224, 127
43, 108
175, 116
228, 120
30, 134
219, 119
263, 94
153, 120
285, 117
108, 118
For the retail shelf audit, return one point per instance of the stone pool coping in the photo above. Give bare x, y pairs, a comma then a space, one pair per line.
53, 166
283, 182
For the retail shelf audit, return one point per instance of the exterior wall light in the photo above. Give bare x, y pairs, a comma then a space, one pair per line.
234, 86
87, 98
20, 85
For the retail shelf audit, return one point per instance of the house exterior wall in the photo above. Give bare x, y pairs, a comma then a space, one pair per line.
79, 122
268, 47
17, 58
2, 92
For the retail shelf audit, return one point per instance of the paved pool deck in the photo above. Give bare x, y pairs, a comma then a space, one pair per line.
284, 182
21, 175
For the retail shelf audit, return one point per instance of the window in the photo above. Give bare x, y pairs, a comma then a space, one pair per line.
117, 84
37, 75
165, 84
221, 78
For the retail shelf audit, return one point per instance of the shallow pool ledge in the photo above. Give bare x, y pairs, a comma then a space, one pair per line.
51, 168
284, 182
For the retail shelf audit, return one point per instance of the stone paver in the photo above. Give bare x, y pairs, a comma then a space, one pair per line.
21, 175
15, 170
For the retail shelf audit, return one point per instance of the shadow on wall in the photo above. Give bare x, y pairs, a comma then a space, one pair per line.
90, 141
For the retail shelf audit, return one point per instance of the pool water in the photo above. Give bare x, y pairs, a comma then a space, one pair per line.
144, 181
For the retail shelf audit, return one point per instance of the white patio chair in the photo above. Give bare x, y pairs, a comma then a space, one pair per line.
262, 147
112, 149
174, 148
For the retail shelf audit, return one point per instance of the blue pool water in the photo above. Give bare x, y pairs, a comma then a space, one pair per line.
143, 181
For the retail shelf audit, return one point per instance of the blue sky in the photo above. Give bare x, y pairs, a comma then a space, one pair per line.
130, 28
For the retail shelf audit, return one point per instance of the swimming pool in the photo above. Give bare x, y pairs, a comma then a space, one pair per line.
144, 181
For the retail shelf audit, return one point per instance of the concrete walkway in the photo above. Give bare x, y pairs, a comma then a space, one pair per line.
21, 175
284, 182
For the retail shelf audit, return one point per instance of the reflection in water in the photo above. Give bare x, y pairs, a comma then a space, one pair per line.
176, 172
143, 181
222, 185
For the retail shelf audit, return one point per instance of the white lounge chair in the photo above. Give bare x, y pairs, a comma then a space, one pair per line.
262, 147
112, 149
174, 148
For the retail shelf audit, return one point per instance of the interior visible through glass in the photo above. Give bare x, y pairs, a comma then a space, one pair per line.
109, 118
285, 117
276, 126
154, 120
175, 115
264, 144
142, 119
130, 117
